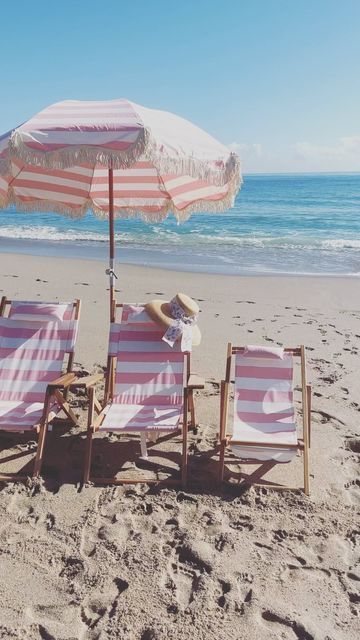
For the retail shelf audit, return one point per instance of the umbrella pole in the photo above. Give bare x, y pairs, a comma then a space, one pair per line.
112, 245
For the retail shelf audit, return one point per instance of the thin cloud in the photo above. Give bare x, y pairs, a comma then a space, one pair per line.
341, 155
245, 151
346, 148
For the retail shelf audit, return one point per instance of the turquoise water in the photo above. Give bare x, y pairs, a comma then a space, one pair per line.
289, 224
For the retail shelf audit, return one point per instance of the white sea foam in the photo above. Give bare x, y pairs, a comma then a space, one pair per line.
341, 244
49, 233
163, 238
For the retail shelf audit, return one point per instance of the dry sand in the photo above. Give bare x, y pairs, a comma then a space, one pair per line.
146, 563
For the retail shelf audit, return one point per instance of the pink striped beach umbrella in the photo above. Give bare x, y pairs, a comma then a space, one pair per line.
118, 159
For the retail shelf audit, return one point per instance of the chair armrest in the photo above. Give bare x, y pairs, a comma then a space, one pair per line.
63, 382
195, 381
87, 381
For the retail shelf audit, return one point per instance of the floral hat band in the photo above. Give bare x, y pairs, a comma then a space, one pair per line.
179, 319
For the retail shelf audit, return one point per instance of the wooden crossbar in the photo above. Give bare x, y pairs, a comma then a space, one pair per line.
295, 351
270, 445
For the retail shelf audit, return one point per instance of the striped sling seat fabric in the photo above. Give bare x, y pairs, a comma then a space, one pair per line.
33, 342
149, 376
264, 404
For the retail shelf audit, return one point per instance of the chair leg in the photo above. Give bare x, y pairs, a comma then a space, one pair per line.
69, 412
40, 449
184, 457
87, 461
306, 471
90, 430
222, 462
192, 410
184, 462
143, 447
308, 393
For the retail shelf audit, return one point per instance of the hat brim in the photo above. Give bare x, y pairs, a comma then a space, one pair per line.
159, 311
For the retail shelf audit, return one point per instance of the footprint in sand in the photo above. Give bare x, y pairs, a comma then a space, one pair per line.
221, 541
225, 589
186, 571
182, 581
73, 568
154, 293
297, 628
238, 596
103, 606
353, 444
212, 523
52, 623
242, 522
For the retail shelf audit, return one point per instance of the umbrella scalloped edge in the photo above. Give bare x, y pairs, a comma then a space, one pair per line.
198, 169
77, 154
181, 215
218, 173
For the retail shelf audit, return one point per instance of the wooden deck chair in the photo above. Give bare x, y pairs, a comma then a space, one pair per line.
36, 340
146, 389
264, 423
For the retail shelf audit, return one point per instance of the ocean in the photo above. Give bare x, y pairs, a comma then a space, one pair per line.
294, 224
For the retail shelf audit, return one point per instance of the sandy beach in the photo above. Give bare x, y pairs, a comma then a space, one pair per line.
143, 563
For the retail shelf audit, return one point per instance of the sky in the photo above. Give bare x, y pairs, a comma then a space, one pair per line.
276, 80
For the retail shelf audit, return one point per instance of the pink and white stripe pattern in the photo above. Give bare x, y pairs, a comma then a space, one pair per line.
111, 125
149, 377
264, 404
33, 345
59, 160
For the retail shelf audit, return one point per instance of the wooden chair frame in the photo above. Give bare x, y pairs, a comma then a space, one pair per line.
302, 444
56, 389
94, 421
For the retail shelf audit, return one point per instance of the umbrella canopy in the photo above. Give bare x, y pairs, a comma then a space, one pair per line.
118, 159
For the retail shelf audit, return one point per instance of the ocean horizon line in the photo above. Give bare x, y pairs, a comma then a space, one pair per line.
300, 173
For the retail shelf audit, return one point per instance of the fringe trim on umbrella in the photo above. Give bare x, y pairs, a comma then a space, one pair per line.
4, 167
45, 206
79, 154
181, 215
145, 148
198, 169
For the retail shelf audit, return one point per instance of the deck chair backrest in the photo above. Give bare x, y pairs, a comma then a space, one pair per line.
33, 347
148, 370
264, 399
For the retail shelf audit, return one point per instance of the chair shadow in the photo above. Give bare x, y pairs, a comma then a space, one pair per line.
63, 455
64, 462
113, 458
205, 466
24, 444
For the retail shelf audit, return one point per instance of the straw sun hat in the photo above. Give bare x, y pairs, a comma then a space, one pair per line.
167, 313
